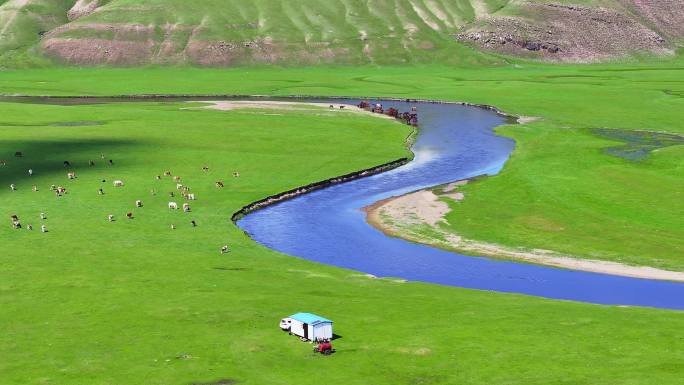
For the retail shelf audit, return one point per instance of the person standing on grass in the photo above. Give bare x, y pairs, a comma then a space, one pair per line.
30, 172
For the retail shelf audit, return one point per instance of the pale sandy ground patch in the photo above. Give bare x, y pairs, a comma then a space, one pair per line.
528, 119
227, 105
405, 216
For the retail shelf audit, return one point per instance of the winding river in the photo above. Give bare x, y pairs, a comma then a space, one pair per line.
455, 142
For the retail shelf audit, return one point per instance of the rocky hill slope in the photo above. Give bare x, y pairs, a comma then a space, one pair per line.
585, 32
237, 32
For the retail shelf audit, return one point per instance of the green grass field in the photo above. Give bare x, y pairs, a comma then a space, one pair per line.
563, 191
134, 302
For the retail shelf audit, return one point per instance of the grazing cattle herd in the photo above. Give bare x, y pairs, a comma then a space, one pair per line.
410, 117
118, 183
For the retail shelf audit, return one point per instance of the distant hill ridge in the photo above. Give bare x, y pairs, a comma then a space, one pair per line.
232, 32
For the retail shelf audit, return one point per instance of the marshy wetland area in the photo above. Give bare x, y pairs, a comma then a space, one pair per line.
454, 192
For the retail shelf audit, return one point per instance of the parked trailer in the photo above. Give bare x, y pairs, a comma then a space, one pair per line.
308, 327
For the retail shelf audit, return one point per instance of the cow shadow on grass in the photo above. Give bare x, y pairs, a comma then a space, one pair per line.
47, 159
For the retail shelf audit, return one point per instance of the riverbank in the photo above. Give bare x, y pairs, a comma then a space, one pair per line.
312, 108
418, 216
229, 105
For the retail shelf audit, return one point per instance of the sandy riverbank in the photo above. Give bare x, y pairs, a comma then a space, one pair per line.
228, 105
417, 216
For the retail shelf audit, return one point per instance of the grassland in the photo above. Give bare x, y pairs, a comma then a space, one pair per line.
134, 302
560, 165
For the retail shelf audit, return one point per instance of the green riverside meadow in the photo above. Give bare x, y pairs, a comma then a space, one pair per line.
134, 302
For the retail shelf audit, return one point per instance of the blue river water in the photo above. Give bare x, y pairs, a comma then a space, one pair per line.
454, 142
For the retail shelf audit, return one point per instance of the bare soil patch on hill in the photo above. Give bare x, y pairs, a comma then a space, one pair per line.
667, 16
571, 33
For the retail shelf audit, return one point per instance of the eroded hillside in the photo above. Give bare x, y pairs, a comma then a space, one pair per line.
581, 31
232, 32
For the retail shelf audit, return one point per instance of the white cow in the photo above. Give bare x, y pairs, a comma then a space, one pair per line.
179, 186
191, 197
173, 205
138, 203
118, 183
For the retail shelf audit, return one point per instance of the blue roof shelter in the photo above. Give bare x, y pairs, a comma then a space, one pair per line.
311, 327
309, 318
